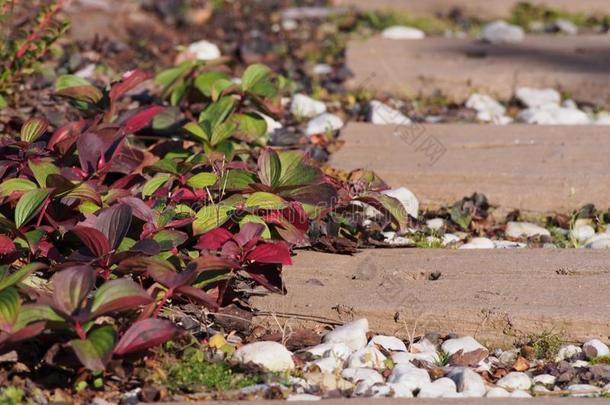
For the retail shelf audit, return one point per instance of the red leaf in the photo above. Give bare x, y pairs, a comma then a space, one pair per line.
272, 253
94, 240
249, 234
206, 263
141, 119
145, 334
214, 239
6, 245
128, 82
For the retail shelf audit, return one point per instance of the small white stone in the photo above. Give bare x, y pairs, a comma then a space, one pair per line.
369, 357
407, 198
566, 27
390, 343
580, 364
326, 365
357, 375
598, 241
469, 383
525, 229
272, 125
87, 72
466, 344
324, 123
554, 115
603, 118
438, 388
450, 238
488, 109
270, 355
402, 32
406, 357
606, 388
479, 243
595, 348
305, 106
204, 50
582, 233
497, 392
545, 379
303, 397
520, 394
583, 390
515, 381
507, 244
533, 98
322, 69
408, 377
381, 114
353, 334
567, 352
435, 224
400, 391
500, 32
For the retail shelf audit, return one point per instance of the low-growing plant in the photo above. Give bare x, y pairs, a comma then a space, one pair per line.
22, 50
99, 235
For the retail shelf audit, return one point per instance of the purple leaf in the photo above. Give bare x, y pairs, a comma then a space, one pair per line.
249, 234
145, 334
114, 222
70, 288
6, 245
128, 82
93, 239
199, 295
267, 275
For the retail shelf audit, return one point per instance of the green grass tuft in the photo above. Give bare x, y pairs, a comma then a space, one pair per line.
194, 373
546, 345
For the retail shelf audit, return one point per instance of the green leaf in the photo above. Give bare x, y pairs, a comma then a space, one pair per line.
222, 87
78, 89
30, 313
154, 184
251, 124
42, 170
217, 112
165, 165
28, 205
33, 129
3, 102
222, 132
197, 130
205, 81
265, 201
168, 239
236, 180
95, 352
20, 275
389, 205
461, 217
202, 180
9, 309
118, 295
269, 167
178, 94
257, 80
211, 217
16, 185
295, 172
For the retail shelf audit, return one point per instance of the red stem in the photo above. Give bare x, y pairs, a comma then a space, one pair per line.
35, 34
167, 296
80, 331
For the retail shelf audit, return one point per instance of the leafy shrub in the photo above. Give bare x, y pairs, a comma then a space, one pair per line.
22, 53
98, 234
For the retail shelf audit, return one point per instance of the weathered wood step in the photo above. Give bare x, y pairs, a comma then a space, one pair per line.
483, 9
532, 168
576, 65
498, 296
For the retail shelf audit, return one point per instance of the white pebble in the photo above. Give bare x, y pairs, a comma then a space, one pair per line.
402, 32
515, 381
323, 123
595, 348
390, 343
271, 355
353, 334
305, 106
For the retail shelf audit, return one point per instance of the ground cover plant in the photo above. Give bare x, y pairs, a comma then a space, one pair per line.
101, 231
